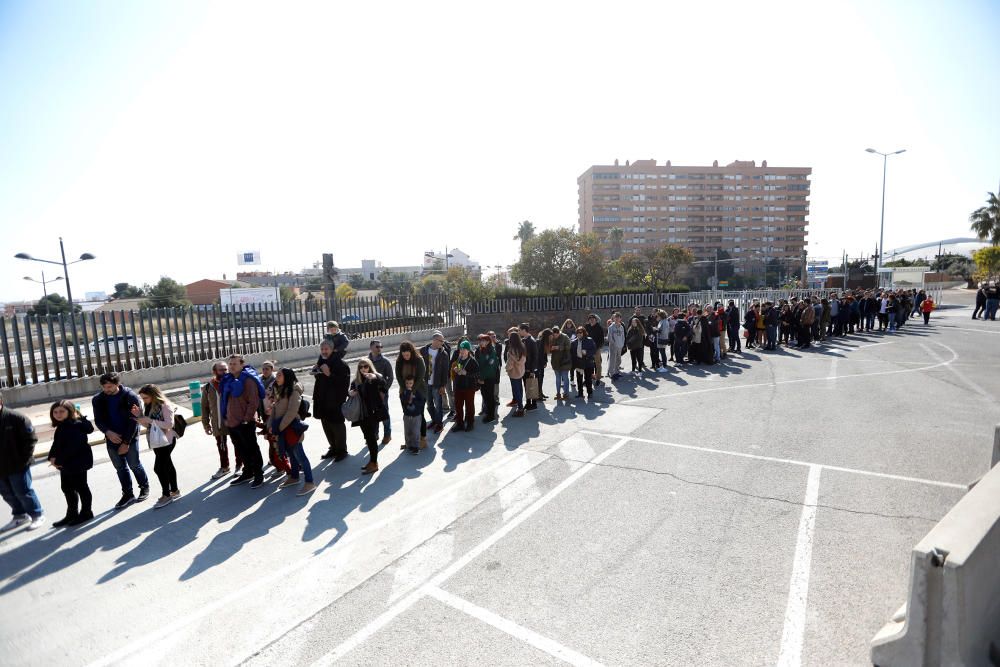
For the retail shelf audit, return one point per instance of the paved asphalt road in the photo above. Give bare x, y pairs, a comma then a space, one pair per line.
758, 512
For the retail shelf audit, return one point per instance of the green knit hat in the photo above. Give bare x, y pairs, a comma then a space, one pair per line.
465, 345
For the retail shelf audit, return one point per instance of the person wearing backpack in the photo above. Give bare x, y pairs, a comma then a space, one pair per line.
242, 393
158, 419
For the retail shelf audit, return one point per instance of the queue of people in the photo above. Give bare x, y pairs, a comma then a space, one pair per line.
434, 384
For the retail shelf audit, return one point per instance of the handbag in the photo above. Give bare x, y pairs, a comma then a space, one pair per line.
351, 409
531, 389
156, 437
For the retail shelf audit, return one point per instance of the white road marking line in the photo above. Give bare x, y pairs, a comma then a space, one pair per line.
145, 643
833, 369
411, 570
885, 342
516, 496
755, 385
550, 646
962, 376
798, 589
985, 331
774, 459
391, 613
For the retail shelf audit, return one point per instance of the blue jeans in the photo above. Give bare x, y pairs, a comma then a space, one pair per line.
869, 321
297, 458
131, 461
772, 336
892, 321
716, 348
387, 427
517, 387
562, 382
17, 492
435, 405
991, 309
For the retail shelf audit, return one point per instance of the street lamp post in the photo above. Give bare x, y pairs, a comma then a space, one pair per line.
62, 251
45, 292
881, 227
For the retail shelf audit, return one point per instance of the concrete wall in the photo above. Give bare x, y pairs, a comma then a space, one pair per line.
51, 391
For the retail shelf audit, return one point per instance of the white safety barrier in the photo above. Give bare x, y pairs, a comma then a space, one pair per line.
952, 615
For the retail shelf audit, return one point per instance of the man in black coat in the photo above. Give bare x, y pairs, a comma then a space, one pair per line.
17, 447
733, 326
530, 362
596, 331
113, 417
333, 380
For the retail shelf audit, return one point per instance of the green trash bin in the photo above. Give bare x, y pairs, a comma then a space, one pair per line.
194, 390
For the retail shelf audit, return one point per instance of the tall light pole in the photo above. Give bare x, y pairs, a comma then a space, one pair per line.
45, 292
881, 227
84, 257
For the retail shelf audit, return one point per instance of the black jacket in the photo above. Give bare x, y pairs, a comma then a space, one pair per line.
733, 317
531, 359
331, 392
121, 402
384, 368
17, 442
70, 448
471, 379
373, 407
596, 331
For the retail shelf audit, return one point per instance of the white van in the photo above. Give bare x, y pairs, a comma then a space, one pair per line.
123, 344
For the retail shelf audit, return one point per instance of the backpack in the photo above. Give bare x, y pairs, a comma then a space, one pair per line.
304, 409
180, 424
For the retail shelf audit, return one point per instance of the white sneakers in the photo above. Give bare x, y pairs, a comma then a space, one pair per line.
36, 523
18, 521
221, 472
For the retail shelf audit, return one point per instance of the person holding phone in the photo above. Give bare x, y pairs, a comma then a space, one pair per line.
113, 417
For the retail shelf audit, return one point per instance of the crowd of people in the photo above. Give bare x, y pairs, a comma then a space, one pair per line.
434, 384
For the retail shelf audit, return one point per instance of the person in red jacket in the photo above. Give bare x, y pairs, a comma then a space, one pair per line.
926, 306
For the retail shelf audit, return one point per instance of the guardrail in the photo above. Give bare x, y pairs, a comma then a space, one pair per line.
46, 348
952, 612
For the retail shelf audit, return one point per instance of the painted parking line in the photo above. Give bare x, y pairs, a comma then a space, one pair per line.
550, 646
822, 378
794, 628
362, 635
807, 464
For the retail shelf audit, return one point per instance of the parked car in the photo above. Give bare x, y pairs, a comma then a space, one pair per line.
123, 344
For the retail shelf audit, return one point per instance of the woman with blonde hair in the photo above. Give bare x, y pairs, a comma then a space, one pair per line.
158, 419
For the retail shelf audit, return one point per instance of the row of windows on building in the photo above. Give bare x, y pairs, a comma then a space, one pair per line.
720, 209
712, 229
700, 198
715, 218
731, 188
699, 177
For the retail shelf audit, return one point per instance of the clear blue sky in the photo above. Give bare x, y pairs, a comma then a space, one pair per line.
167, 137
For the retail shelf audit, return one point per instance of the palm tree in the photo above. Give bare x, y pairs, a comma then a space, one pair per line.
986, 219
525, 232
615, 236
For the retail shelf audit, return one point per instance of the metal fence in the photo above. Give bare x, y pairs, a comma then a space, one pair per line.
45, 348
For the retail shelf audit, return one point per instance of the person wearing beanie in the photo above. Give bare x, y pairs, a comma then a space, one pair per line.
465, 370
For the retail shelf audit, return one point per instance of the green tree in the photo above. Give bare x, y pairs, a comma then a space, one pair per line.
286, 294
902, 263
655, 267
315, 284
561, 261
525, 232
167, 293
397, 287
987, 262
464, 287
616, 236
126, 291
53, 304
954, 265
985, 220
357, 281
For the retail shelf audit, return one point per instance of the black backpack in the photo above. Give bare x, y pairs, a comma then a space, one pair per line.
180, 424
304, 409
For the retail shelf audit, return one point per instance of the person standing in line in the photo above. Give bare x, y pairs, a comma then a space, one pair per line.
288, 428
596, 332
562, 362
242, 393
711, 320
806, 317
70, 454
466, 383
113, 417
213, 422
370, 386
498, 348
515, 365
542, 349
530, 361
489, 371
616, 345
980, 303
682, 338
332, 378
662, 339
582, 351
635, 340
569, 328
413, 414
926, 307
17, 447
437, 364
410, 364
772, 318
649, 324
276, 456
824, 318
992, 301
640, 352
385, 369
918, 299
750, 325
156, 413
733, 326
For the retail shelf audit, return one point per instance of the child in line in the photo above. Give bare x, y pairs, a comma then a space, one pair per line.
70, 454
413, 410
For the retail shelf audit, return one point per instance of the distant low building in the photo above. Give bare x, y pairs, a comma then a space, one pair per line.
205, 292
455, 257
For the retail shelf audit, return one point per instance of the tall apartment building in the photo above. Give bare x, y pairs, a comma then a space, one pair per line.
750, 212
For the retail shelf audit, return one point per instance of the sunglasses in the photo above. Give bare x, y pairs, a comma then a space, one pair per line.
377, 347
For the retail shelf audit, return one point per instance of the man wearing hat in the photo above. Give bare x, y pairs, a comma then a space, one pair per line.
466, 370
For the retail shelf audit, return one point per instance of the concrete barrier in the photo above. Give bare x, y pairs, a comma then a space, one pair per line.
952, 613
52, 391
